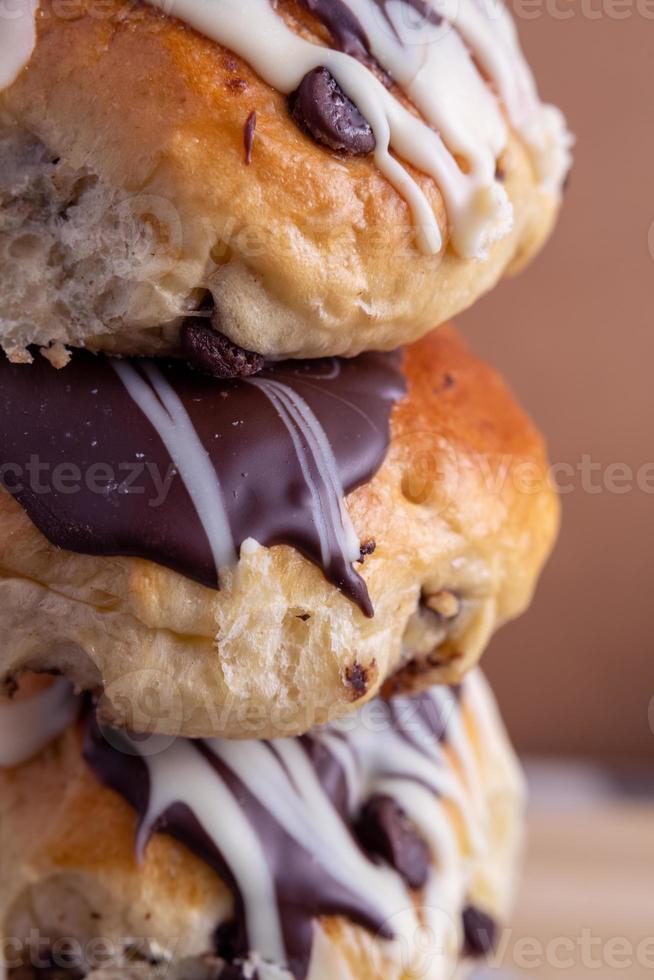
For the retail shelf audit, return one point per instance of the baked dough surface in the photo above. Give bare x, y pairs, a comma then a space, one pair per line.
126, 199
462, 515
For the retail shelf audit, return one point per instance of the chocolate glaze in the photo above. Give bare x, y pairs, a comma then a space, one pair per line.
347, 32
304, 890
320, 107
84, 415
422, 7
304, 886
345, 28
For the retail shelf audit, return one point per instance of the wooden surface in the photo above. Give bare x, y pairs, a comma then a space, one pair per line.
586, 905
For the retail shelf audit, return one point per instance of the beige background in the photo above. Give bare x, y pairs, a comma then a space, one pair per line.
575, 337
584, 910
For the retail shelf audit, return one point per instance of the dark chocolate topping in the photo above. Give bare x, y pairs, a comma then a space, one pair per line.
345, 28
304, 889
385, 830
479, 932
211, 352
302, 874
95, 477
347, 32
320, 107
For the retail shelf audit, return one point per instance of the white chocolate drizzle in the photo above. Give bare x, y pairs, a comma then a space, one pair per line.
28, 726
17, 37
438, 66
319, 469
165, 411
417, 751
463, 132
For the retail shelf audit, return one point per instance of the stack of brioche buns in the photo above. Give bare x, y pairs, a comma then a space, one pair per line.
261, 508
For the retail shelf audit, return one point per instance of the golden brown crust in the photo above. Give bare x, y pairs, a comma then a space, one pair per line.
462, 504
75, 875
305, 252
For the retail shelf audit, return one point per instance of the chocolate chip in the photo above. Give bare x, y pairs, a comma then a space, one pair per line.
357, 677
367, 548
479, 932
321, 107
213, 353
248, 136
384, 829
